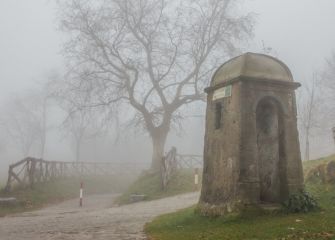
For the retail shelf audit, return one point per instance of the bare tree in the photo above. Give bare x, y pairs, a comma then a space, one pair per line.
310, 111
80, 124
24, 120
77, 125
43, 129
328, 83
3, 142
150, 57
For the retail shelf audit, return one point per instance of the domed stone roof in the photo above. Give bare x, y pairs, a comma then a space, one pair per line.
252, 65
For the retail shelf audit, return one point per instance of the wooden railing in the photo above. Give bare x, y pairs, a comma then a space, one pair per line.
189, 161
169, 166
31, 170
173, 161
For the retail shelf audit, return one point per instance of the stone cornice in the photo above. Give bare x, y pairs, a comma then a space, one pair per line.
265, 81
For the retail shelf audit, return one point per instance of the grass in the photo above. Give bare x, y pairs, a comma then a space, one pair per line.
186, 225
59, 190
308, 165
148, 184
319, 225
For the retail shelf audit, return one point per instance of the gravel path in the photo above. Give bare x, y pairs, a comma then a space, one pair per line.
96, 220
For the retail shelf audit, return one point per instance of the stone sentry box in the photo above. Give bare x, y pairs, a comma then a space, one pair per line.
252, 153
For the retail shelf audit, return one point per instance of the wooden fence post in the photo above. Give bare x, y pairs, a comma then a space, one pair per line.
46, 174
169, 166
40, 172
9, 180
32, 172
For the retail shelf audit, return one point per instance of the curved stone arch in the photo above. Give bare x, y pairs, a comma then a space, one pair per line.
283, 109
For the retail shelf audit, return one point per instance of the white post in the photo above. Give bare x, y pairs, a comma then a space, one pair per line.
81, 195
196, 178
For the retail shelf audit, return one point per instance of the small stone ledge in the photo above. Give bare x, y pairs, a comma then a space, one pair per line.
137, 198
6, 202
270, 207
212, 210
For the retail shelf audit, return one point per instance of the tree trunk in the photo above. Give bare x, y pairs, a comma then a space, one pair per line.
307, 147
78, 146
42, 148
158, 137
44, 129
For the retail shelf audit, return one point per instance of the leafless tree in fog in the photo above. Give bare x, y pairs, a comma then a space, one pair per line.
310, 113
3, 144
328, 84
80, 126
150, 58
24, 120
328, 80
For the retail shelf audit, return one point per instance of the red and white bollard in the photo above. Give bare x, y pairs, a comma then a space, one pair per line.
81, 195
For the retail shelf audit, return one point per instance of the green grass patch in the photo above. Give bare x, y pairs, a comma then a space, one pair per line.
308, 165
148, 184
254, 225
55, 191
187, 225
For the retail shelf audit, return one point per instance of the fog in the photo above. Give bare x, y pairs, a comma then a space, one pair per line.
299, 32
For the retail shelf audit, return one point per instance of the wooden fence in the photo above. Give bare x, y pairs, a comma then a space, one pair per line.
185, 161
169, 166
173, 161
29, 171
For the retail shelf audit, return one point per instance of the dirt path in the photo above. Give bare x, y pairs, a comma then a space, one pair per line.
96, 220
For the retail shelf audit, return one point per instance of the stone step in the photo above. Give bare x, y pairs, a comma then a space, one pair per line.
10, 201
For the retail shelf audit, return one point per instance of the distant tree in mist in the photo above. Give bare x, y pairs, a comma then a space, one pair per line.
328, 93
309, 111
328, 83
23, 119
78, 127
80, 124
3, 144
149, 59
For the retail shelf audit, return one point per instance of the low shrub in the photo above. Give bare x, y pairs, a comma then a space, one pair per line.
301, 202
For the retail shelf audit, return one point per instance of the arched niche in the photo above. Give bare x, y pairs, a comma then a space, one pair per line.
271, 150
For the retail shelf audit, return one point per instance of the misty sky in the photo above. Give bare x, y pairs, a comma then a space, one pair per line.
301, 33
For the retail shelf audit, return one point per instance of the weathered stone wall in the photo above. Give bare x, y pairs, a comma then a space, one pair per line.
221, 154
253, 154
288, 152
